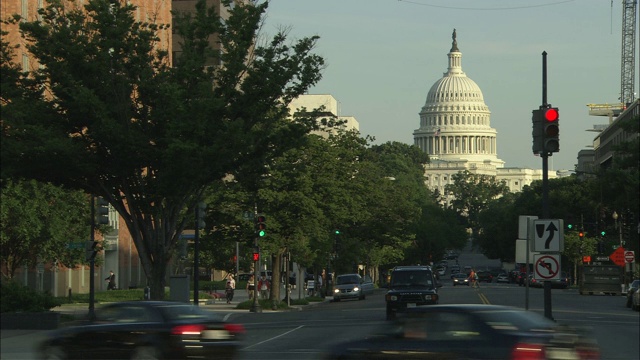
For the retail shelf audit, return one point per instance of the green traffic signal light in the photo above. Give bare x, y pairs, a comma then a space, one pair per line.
603, 233
262, 233
337, 232
569, 226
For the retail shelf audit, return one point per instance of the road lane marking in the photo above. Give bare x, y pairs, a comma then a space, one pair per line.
273, 338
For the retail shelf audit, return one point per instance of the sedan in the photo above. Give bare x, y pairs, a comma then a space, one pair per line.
470, 331
352, 286
146, 330
502, 278
460, 279
633, 287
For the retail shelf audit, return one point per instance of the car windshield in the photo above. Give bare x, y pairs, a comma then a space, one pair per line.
347, 279
460, 276
406, 278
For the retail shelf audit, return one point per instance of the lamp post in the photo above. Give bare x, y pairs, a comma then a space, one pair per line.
615, 218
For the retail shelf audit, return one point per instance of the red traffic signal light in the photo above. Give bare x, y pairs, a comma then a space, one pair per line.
550, 124
256, 256
581, 234
551, 114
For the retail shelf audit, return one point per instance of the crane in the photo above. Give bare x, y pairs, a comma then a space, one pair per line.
627, 66
627, 74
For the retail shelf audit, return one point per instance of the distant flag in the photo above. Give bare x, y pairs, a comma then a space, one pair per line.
437, 132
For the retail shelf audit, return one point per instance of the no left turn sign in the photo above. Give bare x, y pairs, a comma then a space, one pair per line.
546, 266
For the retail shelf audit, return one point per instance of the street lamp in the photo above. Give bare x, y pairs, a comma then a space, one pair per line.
615, 218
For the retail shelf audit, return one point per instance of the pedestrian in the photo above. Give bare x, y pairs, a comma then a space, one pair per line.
473, 278
264, 287
230, 288
251, 286
112, 281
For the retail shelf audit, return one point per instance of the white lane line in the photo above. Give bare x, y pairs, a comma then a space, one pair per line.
273, 338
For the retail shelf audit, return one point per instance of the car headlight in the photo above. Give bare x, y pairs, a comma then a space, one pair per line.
393, 297
336, 290
356, 289
427, 297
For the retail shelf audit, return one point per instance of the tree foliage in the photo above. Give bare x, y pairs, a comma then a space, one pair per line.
38, 221
470, 194
112, 117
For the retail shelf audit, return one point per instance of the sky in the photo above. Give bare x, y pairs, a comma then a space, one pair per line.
383, 56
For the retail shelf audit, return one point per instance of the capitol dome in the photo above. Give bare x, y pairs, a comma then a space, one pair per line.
455, 121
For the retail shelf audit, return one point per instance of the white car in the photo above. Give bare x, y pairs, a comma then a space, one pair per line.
352, 286
502, 278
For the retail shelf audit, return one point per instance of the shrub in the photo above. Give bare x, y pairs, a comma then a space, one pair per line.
15, 297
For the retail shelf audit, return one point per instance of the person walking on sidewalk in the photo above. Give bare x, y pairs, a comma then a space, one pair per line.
264, 287
251, 286
112, 281
230, 288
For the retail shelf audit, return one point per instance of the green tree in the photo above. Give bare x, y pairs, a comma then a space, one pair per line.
38, 221
499, 232
112, 117
469, 195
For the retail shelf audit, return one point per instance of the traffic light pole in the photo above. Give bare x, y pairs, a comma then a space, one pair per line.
92, 262
255, 305
545, 186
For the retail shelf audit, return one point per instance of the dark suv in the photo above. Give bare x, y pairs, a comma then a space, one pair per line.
411, 286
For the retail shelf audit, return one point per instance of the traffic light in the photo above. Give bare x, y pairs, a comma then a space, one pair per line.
581, 235
551, 130
256, 256
103, 211
261, 226
200, 215
603, 233
569, 226
538, 136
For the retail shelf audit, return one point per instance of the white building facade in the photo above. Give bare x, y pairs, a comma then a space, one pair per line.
455, 131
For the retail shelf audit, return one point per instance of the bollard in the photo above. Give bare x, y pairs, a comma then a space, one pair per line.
147, 293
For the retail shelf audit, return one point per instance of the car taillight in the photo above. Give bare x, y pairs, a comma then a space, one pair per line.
187, 329
526, 351
234, 328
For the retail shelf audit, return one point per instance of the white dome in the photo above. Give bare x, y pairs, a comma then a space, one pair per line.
454, 89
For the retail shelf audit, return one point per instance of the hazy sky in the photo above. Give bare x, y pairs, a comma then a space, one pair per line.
383, 56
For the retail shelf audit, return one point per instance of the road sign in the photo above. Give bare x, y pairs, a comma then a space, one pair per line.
618, 256
547, 235
546, 266
629, 257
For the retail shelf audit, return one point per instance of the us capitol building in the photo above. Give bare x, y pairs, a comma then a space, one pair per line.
455, 131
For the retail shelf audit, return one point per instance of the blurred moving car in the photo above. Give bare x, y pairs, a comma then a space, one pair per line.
502, 278
352, 286
410, 287
471, 331
460, 279
146, 330
633, 288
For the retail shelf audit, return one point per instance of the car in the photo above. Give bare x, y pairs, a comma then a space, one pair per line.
633, 288
352, 286
441, 270
485, 276
470, 331
411, 286
451, 256
562, 282
455, 269
460, 279
146, 330
467, 270
502, 278
635, 301
533, 282
521, 278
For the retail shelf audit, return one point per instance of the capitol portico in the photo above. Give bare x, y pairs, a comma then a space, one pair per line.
455, 131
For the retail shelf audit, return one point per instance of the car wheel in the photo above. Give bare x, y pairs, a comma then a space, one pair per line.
335, 299
146, 352
54, 352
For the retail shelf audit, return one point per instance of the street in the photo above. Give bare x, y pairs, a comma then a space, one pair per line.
306, 333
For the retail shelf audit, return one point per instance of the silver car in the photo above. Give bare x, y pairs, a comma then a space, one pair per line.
352, 286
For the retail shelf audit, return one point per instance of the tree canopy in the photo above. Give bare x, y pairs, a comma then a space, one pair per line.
110, 115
